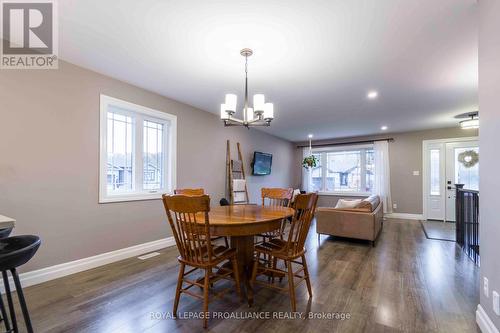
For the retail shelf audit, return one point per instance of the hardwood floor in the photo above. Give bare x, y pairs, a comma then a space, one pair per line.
406, 283
440, 230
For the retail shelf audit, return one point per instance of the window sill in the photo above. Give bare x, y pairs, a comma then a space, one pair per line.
131, 197
346, 194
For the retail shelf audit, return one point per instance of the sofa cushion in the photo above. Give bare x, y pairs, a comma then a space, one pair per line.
347, 204
370, 203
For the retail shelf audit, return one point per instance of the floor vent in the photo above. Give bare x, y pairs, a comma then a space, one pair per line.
149, 255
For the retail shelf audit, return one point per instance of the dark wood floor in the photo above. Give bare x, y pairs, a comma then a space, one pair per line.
440, 230
407, 283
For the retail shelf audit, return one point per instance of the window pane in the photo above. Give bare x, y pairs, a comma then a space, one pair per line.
343, 172
153, 155
316, 176
435, 172
370, 170
466, 171
120, 171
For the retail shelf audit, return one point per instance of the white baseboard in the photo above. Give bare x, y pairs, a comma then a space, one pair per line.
405, 216
80, 265
484, 322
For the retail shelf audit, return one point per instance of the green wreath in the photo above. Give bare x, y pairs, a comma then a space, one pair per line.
468, 158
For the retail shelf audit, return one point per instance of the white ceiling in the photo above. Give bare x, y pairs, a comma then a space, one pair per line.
315, 60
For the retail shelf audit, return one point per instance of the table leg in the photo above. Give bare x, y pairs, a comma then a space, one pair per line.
244, 246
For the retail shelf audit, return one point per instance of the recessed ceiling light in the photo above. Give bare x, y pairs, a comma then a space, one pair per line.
372, 94
310, 136
384, 128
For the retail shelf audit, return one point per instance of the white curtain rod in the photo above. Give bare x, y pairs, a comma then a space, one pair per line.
345, 143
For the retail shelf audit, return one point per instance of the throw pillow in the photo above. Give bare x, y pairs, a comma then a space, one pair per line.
347, 204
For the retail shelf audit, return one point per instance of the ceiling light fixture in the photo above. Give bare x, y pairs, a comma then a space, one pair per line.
473, 122
384, 128
261, 114
372, 94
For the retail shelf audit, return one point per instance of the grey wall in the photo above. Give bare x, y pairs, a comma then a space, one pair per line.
49, 150
489, 106
405, 157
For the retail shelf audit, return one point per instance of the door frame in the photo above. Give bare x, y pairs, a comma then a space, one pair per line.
425, 167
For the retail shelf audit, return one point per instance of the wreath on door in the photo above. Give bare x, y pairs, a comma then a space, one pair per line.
468, 158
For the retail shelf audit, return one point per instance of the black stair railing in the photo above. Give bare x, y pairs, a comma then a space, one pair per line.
467, 221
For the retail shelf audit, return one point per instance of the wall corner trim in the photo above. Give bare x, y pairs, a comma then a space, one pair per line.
405, 216
484, 322
53, 272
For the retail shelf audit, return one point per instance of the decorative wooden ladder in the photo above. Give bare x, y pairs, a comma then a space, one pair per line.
235, 171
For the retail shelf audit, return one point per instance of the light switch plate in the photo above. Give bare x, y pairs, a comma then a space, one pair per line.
496, 303
394, 206
416, 173
486, 289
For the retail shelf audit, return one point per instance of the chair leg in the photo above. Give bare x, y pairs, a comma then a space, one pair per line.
254, 270
22, 301
206, 286
275, 265
286, 265
4, 315
237, 278
267, 259
9, 301
179, 286
306, 276
291, 286
226, 242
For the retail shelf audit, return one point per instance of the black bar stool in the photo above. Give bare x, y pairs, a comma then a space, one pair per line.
14, 252
4, 232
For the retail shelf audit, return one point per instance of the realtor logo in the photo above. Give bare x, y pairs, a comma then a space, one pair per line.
29, 34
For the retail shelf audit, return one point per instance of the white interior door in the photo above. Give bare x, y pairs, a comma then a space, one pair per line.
460, 169
434, 157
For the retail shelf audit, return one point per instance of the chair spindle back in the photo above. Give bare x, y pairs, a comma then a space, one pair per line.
184, 216
304, 206
276, 197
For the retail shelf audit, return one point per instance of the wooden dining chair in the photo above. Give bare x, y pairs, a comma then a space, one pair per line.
289, 250
276, 197
188, 218
196, 192
190, 191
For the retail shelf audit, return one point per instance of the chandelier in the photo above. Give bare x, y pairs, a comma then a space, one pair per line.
472, 122
260, 115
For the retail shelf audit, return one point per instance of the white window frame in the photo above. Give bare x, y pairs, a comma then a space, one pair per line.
324, 165
140, 113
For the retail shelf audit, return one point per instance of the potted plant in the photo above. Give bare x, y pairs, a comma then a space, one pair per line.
310, 162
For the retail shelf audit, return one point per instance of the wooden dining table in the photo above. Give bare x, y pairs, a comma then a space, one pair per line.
241, 223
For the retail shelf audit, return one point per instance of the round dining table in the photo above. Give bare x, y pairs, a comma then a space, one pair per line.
241, 223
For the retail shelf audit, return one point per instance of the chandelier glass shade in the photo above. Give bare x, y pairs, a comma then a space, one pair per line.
261, 114
473, 122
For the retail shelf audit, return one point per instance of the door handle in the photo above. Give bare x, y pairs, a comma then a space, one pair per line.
451, 188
